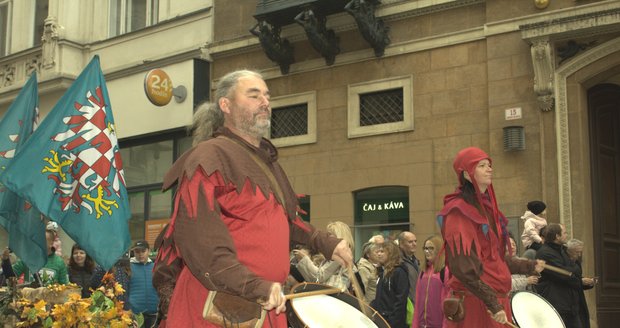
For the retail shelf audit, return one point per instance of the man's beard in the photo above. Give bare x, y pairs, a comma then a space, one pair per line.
255, 127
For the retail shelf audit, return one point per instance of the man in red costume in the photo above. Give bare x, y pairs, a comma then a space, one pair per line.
476, 237
234, 214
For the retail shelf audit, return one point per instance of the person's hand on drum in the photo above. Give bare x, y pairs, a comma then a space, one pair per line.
540, 266
276, 300
499, 316
532, 280
342, 254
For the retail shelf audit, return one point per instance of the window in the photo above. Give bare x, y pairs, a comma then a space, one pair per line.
379, 107
4, 27
145, 162
380, 210
293, 119
40, 14
131, 15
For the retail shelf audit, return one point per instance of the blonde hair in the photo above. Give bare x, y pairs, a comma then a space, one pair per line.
342, 231
440, 258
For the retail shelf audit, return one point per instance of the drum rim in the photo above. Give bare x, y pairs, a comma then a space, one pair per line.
540, 297
346, 293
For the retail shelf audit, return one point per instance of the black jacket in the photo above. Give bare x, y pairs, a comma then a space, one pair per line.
391, 298
563, 292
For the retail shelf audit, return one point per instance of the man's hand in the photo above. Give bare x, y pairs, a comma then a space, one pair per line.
499, 316
532, 280
276, 299
342, 254
540, 266
588, 281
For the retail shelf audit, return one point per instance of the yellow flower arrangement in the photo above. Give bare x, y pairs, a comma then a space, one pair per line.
102, 309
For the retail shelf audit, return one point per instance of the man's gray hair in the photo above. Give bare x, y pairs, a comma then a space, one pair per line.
208, 116
573, 243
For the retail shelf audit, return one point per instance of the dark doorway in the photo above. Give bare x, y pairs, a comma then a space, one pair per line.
604, 114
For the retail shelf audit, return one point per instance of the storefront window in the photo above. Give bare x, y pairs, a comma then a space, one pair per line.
380, 211
145, 162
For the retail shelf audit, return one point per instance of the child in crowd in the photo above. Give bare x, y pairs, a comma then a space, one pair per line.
535, 219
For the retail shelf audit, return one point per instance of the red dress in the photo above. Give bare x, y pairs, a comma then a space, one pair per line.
475, 258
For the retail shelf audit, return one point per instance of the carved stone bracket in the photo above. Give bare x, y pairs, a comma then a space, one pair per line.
32, 65
277, 49
51, 34
373, 29
322, 40
7, 75
543, 61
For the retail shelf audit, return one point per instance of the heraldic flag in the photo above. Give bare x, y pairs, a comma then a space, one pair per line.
21, 220
71, 169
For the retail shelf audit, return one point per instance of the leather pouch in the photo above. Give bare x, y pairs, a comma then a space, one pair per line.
226, 310
453, 308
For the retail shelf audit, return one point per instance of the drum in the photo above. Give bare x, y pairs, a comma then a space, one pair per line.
329, 311
530, 310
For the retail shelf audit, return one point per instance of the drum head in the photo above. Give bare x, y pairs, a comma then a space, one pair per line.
330, 311
530, 310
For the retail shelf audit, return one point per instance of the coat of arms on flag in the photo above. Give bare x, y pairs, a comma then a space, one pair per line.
71, 169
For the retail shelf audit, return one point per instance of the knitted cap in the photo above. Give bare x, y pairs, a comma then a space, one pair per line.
536, 207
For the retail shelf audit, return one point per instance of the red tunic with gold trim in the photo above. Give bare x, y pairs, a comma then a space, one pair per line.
229, 231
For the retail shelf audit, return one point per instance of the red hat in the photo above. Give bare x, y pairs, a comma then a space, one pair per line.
467, 159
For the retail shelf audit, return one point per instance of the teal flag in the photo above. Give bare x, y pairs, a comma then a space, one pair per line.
71, 169
21, 220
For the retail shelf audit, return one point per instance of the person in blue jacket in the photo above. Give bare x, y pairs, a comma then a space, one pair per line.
143, 297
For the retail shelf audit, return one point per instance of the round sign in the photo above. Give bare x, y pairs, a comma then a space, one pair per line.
158, 87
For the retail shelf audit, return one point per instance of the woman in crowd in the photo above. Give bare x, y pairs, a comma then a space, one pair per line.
475, 239
367, 267
328, 272
81, 268
520, 282
431, 289
392, 288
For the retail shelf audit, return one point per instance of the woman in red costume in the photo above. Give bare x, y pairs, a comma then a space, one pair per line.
476, 238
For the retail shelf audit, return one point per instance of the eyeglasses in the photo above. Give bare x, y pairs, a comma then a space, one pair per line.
428, 249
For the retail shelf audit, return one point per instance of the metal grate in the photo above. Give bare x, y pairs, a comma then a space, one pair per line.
289, 121
381, 107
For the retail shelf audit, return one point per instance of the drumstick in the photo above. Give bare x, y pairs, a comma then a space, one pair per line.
314, 292
511, 325
358, 290
558, 270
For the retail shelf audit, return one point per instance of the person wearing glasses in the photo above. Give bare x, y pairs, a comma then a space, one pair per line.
431, 288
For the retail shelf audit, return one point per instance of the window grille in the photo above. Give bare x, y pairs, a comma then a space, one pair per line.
381, 107
289, 121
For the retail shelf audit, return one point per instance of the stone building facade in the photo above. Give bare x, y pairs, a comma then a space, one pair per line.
535, 83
